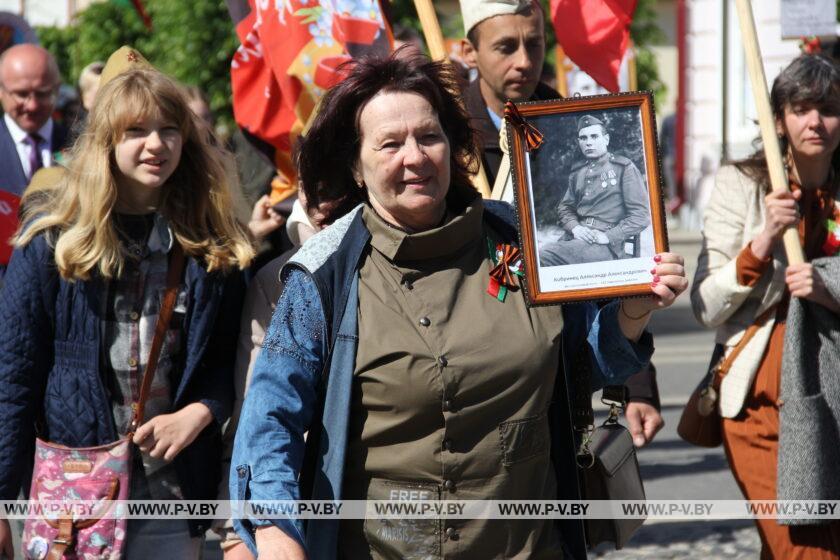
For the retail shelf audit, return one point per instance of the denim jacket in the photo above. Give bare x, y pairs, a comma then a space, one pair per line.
306, 367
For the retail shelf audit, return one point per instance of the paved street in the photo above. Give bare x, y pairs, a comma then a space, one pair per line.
671, 468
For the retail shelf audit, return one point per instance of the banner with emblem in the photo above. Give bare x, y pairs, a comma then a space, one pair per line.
291, 52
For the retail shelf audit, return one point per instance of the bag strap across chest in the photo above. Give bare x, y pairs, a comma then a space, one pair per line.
722, 368
173, 279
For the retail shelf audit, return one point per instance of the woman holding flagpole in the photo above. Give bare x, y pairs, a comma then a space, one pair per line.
743, 280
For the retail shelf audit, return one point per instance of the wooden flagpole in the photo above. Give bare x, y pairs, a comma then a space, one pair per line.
766, 121
434, 39
431, 28
503, 177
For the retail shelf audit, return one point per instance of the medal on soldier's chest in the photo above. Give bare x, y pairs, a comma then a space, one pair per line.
604, 179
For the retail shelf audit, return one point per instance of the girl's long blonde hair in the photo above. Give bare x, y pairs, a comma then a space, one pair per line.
197, 200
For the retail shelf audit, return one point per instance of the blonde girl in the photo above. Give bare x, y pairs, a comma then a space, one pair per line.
82, 294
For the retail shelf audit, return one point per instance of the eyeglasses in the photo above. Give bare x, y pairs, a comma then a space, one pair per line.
40, 95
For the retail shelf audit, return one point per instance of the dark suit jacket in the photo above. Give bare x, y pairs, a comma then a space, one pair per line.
12, 177
488, 136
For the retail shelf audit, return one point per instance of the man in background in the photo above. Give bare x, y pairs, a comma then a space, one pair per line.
505, 44
29, 80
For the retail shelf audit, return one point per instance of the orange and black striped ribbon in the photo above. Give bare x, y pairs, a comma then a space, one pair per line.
533, 137
501, 273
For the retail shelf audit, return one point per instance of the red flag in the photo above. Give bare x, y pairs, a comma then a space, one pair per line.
290, 55
595, 35
8, 223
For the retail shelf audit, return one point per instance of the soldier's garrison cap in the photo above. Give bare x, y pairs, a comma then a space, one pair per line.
476, 11
122, 60
588, 120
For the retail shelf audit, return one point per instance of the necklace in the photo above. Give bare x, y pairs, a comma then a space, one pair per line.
134, 232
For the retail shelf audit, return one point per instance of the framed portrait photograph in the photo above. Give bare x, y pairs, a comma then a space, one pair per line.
588, 196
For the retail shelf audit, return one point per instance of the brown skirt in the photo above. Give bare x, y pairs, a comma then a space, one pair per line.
751, 441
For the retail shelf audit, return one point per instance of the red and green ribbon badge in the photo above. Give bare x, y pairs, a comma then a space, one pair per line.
832, 241
508, 261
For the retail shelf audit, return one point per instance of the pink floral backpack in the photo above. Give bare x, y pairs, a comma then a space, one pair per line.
92, 474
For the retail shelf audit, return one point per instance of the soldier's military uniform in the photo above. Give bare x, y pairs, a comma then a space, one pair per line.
605, 194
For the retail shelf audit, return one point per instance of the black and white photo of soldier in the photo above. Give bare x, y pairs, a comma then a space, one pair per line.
605, 206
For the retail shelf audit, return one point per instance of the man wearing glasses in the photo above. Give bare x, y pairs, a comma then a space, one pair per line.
29, 80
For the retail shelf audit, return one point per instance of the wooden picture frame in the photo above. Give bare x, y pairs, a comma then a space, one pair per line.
602, 180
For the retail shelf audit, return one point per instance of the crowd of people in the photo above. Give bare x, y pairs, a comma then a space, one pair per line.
362, 354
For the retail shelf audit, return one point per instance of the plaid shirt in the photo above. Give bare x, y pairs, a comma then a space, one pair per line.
130, 316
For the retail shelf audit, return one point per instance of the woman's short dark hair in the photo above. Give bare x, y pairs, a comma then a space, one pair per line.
329, 151
811, 80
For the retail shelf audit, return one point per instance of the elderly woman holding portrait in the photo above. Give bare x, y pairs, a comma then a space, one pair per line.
386, 346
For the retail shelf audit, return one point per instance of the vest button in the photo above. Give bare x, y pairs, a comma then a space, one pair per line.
132, 362
425, 322
449, 485
451, 533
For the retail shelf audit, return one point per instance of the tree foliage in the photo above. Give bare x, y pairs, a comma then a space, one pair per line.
194, 42
645, 33
101, 29
59, 42
191, 41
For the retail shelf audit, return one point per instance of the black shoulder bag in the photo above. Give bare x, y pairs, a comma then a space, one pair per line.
606, 457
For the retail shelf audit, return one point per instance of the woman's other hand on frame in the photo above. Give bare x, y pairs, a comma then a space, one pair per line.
668, 283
